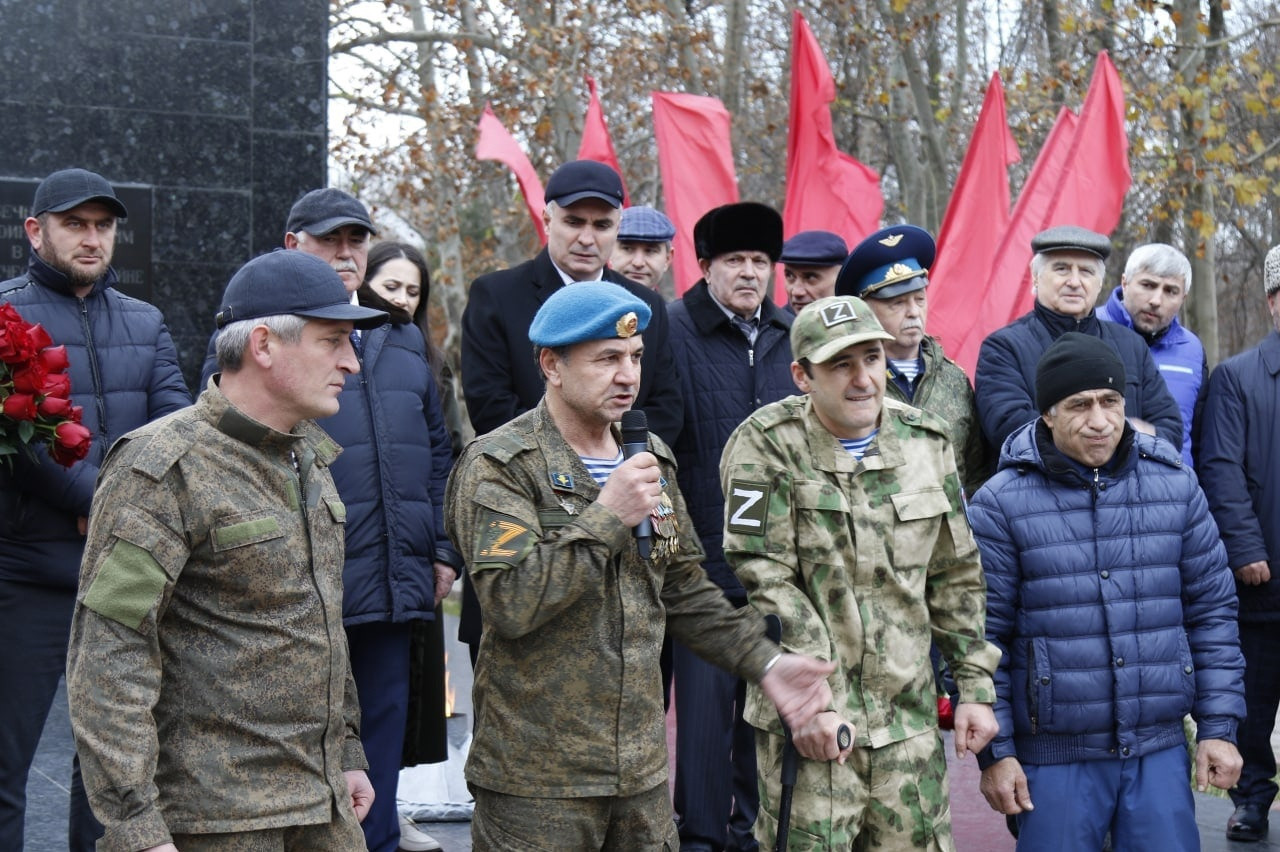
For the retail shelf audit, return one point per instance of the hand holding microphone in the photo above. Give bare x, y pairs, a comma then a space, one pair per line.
633, 489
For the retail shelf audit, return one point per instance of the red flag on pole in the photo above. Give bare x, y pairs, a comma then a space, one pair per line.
596, 143
826, 188
494, 142
977, 216
695, 158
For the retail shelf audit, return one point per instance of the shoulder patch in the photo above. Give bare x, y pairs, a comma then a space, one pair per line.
747, 507
503, 540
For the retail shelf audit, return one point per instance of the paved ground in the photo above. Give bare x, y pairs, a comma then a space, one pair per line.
977, 828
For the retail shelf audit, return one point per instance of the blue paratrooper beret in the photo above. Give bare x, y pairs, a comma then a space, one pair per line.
588, 310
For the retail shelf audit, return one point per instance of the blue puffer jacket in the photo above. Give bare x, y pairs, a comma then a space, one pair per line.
723, 379
124, 372
395, 460
1109, 594
1179, 355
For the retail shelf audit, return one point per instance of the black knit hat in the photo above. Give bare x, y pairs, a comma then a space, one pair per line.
1076, 362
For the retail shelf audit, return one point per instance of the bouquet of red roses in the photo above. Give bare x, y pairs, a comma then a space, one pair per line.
35, 394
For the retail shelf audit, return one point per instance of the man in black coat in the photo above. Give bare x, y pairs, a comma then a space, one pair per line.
500, 378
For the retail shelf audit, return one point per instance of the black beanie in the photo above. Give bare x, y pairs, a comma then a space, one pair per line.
1076, 362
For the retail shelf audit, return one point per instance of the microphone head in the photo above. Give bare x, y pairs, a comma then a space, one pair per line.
635, 427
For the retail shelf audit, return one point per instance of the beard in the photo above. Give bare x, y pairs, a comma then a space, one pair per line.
76, 274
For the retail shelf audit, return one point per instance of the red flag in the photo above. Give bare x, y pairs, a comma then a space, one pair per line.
977, 216
695, 157
596, 144
1080, 178
494, 142
826, 188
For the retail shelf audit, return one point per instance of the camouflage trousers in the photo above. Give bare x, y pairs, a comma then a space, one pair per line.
643, 822
893, 798
342, 834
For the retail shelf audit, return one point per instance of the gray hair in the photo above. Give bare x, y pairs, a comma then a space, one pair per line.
1271, 271
234, 337
1162, 260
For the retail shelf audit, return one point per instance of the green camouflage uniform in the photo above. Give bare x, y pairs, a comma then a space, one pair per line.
567, 690
208, 675
864, 562
944, 389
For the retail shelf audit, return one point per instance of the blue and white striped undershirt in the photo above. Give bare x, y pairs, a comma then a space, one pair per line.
601, 468
908, 368
857, 447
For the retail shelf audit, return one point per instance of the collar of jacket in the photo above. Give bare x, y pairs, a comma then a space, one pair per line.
234, 423
50, 278
1059, 324
707, 315
1115, 311
1057, 465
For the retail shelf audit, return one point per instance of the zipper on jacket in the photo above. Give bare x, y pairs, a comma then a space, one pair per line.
99, 402
1033, 702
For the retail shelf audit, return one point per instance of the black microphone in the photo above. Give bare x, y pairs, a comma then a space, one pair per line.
635, 439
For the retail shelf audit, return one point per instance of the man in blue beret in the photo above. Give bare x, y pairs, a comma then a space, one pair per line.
643, 250
1066, 275
570, 742
732, 348
810, 263
890, 271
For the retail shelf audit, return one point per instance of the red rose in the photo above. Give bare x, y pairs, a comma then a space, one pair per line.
76, 413
30, 378
58, 385
71, 443
15, 345
8, 313
54, 358
39, 337
55, 407
20, 406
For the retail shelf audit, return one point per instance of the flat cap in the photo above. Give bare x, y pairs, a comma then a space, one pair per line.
322, 211
579, 179
291, 282
645, 225
69, 188
815, 248
1073, 363
825, 328
1271, 271
890, 262
588, 310
1071, 238
743, 226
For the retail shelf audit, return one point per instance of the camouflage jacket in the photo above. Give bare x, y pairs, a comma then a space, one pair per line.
865, 562
944, 389
567, 690
207, 674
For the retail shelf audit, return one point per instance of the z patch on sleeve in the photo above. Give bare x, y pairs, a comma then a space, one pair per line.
503, 539
747, 507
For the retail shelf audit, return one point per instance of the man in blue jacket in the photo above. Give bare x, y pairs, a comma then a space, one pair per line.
1066, 274
124, 373
1155, 284
733, 350
1109, 596
1240, 472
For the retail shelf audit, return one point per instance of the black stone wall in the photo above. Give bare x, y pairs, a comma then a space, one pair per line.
218, 106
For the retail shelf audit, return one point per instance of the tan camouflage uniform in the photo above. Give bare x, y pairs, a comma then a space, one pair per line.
944, 389
863, 561
567, 690
212, 589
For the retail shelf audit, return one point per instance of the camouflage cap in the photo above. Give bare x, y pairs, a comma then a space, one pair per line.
828, 326
588, 310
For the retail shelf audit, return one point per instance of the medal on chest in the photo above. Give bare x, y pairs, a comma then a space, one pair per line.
666, 532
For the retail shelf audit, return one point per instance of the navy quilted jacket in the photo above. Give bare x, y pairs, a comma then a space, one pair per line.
1109, 594
124, 372
723, 379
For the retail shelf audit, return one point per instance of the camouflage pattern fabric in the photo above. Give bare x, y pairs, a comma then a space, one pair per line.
944, 390
891, 799
864, 561
208, 675
342, 833
640, 823
567, 691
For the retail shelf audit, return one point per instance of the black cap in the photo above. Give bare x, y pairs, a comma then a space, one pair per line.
890, 262
1077, 362
814, 248
744, 226
291, 282
322, 211
69, 188
581, 179
1071, 238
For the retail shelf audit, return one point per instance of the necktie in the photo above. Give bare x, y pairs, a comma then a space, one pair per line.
748, 327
